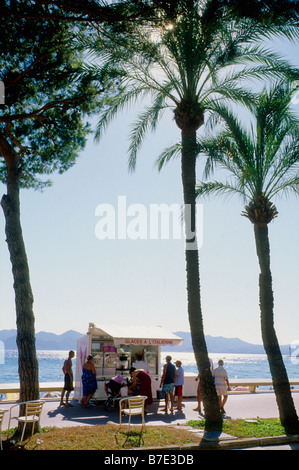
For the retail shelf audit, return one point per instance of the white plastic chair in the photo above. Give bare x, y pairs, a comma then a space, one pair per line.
2, 413
135, 407
32, 414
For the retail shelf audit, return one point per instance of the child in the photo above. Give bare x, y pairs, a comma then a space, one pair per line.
124, 390
123, 394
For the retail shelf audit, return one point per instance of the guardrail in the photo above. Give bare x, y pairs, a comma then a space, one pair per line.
12, 390
190, 388
253, 383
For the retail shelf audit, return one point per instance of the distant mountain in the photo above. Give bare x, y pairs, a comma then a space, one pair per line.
65, 341
219, 344
44, 340
68, 340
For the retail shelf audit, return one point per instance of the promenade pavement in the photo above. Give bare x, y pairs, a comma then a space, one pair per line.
241, 405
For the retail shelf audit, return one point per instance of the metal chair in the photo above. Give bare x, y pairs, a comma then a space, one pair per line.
32, 414
135, 407
2, 412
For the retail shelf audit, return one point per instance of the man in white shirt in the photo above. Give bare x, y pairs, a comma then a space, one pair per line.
221, 384
140, 364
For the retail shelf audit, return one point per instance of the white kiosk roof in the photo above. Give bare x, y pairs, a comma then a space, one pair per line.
135, 334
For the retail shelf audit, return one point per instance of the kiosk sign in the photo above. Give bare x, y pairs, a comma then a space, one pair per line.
145, 341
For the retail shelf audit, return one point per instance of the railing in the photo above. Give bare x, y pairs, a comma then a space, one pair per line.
253, 383
12, 390
190, 386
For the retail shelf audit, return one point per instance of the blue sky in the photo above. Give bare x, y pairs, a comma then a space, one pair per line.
77, 278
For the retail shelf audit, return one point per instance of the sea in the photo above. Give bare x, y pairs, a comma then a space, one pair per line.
238, 366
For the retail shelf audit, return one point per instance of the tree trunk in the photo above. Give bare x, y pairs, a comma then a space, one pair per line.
209, 395
287, 411
27, 360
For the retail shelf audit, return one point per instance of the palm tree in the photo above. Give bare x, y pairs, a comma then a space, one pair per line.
262, 162
181, 61
42, 131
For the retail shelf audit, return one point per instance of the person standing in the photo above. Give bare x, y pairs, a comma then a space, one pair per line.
68, 379
89, 381
168, 380
143, 380
178, 390
221, 384
140, 364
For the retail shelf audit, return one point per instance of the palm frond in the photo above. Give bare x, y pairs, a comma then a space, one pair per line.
264, 161
216, 187
288, 186
198, 61
116, 104
168, 154
285, 169
234, 142
147, 120
227, 158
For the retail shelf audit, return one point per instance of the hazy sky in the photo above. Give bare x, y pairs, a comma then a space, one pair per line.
78, 278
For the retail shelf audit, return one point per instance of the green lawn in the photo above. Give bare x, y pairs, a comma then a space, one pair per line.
104, 437
247, 428
113, 437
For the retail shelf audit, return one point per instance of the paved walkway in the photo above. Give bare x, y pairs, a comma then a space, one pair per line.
243, 405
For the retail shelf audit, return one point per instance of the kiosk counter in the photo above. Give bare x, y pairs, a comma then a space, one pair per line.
114, 348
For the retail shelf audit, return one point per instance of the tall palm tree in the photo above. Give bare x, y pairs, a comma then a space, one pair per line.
181, 61
262, 162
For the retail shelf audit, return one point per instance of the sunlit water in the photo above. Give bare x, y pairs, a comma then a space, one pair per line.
237, 365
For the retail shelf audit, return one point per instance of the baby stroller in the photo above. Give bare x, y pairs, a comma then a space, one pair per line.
112, 389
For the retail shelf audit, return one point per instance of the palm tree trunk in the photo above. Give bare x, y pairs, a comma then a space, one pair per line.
27, 361
287, 411
209, 395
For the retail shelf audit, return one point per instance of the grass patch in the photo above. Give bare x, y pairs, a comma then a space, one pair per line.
247, 428
114, 437
107, 437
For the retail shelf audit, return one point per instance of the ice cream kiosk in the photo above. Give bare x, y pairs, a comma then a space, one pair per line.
114, 347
